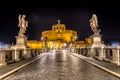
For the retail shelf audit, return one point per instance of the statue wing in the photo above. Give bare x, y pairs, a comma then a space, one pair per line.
96, 21
19, 18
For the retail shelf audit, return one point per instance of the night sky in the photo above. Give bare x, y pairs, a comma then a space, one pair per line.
75, 15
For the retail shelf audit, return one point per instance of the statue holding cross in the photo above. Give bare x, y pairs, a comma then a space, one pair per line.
94, 24
22, 24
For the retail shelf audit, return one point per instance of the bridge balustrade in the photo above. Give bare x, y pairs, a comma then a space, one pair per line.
14, 55
109, 54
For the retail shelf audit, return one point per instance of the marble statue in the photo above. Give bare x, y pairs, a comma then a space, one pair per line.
22, 23
94, 24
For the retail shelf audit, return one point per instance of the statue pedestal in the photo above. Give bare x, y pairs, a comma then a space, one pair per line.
20, 42
96, 41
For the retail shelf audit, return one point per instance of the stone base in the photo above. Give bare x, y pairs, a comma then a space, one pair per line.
20, 42
19, 47
97, 45
96, 41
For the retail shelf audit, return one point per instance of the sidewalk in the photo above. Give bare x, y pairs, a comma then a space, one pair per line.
108, 67
11, 68
6, 70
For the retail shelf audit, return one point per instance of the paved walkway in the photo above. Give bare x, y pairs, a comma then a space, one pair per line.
106, 66
6, 70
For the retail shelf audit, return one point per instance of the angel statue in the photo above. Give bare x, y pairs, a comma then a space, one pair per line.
94, 24
22, 24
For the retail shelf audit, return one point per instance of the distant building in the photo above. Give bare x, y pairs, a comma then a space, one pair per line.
59, 37
55, 38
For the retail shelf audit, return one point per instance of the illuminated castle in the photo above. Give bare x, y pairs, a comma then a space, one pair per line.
58, 37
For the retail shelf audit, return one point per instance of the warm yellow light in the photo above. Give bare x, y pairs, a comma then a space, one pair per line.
56, 38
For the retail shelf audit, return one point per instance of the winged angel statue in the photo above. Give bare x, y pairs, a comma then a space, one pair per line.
22, 23
94, 24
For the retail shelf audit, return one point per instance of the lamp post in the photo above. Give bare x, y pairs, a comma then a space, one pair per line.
64, 45
75, 39
42, 41
46, 41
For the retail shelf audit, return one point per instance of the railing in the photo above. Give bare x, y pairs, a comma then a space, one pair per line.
14, 55
109, 54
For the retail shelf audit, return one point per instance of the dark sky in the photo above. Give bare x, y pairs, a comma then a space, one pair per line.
74, 14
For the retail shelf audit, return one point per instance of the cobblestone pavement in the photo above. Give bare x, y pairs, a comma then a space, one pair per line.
10, 68
60, 66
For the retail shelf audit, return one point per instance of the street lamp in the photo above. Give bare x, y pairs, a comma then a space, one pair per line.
75, 39
64, 45
41, 38
42, 41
